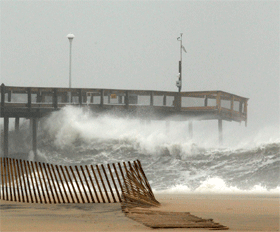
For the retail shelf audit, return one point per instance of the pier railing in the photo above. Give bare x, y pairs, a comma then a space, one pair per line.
41, 100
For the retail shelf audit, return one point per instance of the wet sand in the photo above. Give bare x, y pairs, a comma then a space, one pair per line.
238, 212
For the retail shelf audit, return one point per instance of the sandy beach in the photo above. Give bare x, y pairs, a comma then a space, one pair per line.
238, 212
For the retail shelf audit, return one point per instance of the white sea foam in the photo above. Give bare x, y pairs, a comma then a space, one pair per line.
72, 123
216, 186
40, 157
74, 134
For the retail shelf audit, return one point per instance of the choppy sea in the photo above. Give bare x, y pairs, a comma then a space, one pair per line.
172, 161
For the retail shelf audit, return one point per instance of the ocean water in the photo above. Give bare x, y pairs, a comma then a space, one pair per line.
172, 161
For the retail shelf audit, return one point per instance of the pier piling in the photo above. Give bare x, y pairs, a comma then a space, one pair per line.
34, 136
220, 127
167, 126
191, 129
17, 124
6, 137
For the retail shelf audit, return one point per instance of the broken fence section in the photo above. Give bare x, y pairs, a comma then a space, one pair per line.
139, 204
137, 191
35, 182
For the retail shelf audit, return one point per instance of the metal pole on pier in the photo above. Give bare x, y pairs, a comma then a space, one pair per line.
179, 82
70, 37
180, 64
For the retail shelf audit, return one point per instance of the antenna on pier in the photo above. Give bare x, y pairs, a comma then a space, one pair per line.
182, 48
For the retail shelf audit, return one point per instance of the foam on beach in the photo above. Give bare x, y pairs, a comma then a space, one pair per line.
218, 186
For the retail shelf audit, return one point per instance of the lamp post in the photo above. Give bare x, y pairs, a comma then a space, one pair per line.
179, 84
70, 37
182, 48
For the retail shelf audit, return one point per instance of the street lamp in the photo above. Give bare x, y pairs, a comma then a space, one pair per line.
182, 48
70, 37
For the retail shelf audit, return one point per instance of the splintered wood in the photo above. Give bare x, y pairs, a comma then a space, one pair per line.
136, 189
160, 219
138, 197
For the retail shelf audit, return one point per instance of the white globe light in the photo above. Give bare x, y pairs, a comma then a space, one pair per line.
70, 36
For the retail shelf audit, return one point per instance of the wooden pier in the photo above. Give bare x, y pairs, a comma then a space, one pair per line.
36, 102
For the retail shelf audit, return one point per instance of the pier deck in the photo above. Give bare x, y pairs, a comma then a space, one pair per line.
36, 102
33, 102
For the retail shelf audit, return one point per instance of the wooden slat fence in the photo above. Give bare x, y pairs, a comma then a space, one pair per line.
137, 191
36, 182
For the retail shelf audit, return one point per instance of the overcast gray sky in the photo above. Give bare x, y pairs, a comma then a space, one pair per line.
231, 46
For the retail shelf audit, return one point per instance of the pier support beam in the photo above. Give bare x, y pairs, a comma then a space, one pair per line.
191, 129
69, 96
17, 124
34, 136
6, 137
119, 99
220, 127
167, 126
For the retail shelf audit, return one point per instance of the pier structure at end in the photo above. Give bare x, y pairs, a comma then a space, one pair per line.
36, 102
